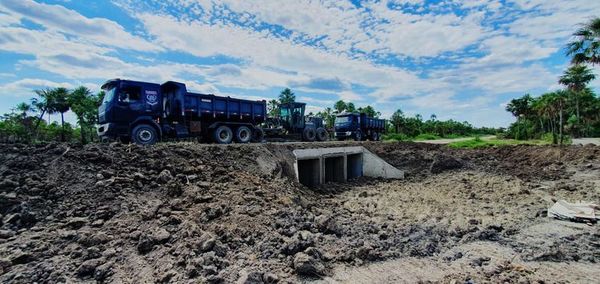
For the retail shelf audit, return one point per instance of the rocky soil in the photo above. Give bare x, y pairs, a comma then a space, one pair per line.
189, 213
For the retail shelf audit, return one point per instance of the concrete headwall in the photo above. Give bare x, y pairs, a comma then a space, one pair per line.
320, 165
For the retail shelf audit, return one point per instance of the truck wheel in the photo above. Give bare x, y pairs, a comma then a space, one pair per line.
309, 134
258, 135
144, 134
374, 136
243, 134
358, 136
223, 134
321, 134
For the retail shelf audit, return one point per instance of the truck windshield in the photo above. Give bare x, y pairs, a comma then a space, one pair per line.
109, 94
343, 119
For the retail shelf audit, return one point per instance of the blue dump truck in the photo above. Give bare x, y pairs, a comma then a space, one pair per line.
358, 126
145, 113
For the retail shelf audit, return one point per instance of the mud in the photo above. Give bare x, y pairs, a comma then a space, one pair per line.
189, 213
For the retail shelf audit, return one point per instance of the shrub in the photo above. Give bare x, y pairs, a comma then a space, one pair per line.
396, 137
427, 136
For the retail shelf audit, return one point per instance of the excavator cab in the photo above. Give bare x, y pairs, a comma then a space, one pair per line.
292, 116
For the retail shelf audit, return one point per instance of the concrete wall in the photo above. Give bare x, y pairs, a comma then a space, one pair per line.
321, 165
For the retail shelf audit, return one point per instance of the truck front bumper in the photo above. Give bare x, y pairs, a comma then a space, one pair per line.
106, 130
342, 134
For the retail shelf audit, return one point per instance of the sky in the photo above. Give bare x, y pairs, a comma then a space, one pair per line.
461, 60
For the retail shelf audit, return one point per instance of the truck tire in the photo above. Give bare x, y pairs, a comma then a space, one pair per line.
258, 135
358, 136
374, 136
243, 134
223, 134
321, 134
144, 134
309, 134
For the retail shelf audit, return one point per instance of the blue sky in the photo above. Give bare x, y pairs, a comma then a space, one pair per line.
460, 60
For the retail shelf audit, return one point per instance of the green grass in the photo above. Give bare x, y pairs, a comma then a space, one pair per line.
479, 143
395, 137
426, 136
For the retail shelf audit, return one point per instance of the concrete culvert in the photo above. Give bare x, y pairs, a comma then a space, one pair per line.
339, 164
354, 166
309, 172
335, 169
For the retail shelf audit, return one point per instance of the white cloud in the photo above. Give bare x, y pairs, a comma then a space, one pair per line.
513, 50
552, 19
43, 43
26, 87
265, 52
60, 19
428, 35
500, 79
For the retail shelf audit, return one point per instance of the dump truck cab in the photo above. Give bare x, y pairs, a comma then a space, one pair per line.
346, 125
358, 126
127, 103
292, 116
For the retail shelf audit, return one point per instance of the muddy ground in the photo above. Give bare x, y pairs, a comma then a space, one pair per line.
190, 213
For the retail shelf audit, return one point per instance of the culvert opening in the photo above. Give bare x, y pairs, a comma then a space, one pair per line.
309, 172
354, 167
334, 169
338, 164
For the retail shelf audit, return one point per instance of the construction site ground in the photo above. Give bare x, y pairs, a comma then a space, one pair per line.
192, 213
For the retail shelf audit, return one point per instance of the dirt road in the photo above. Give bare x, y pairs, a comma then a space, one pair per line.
448, 141
188, 213
584, 141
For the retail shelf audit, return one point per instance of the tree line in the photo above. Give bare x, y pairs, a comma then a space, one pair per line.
26, 123
573, 111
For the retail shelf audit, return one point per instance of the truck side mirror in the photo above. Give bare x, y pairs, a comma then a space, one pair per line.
122, 97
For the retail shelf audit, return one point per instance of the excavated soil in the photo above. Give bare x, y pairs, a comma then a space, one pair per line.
190, 213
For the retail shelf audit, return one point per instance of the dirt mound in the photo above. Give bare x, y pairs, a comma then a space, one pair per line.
180, 212
523, 161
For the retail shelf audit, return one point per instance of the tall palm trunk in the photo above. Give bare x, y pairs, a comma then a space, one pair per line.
560, 129
577, 129
62, 127
37, 124
82, 133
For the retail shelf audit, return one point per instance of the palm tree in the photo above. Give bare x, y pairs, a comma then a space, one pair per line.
559, 100
586, 46
397, 119
82, 102
43, 103
576, 79
340, 106
61, 104
273, 106
24, 108
520, 107
287, 96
